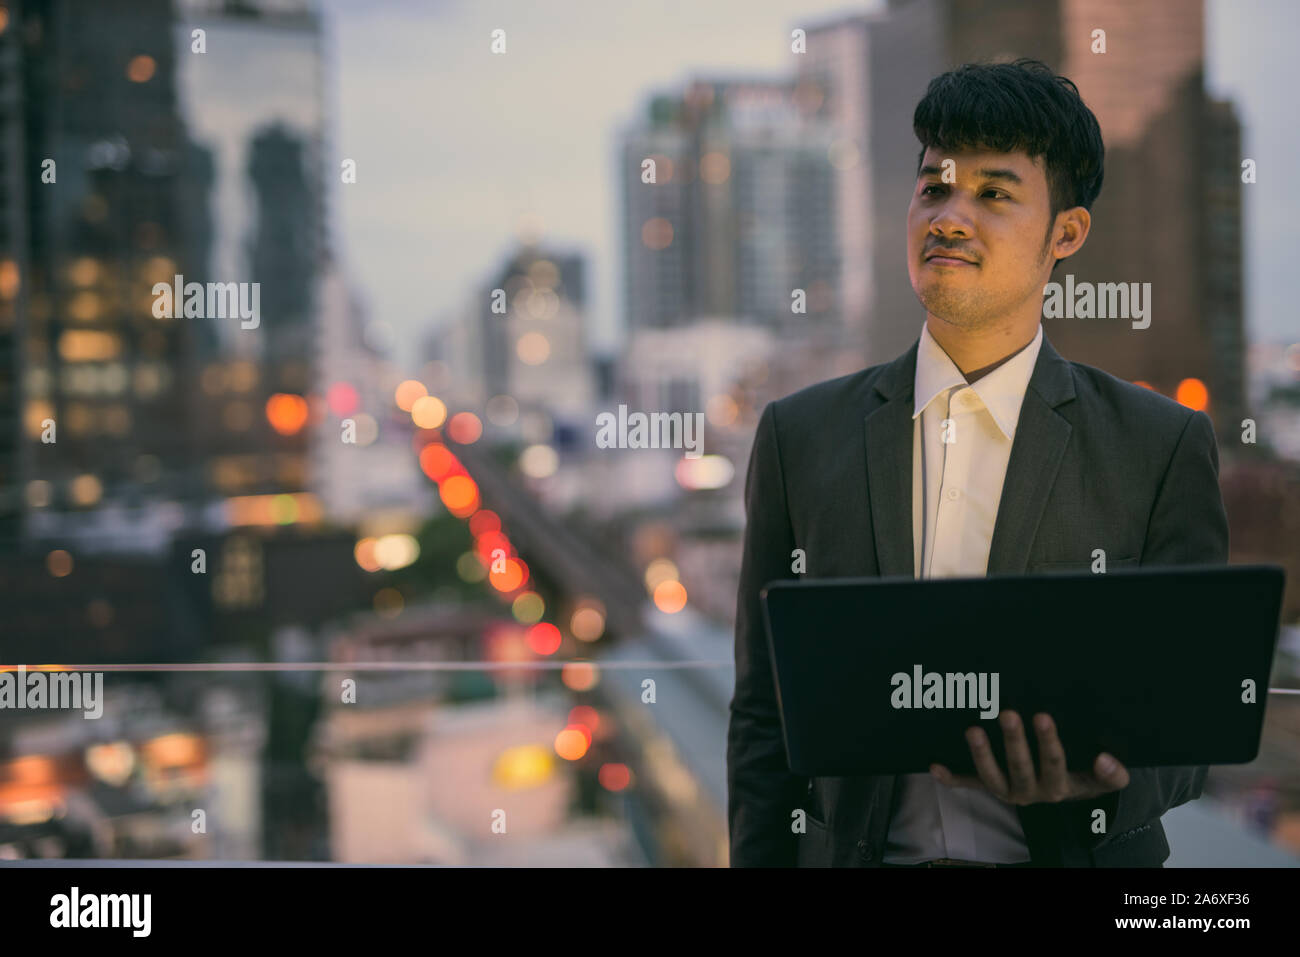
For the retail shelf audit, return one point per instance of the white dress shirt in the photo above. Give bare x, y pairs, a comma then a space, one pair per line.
956, 487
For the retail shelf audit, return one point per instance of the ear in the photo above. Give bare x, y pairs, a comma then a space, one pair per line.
1070, 231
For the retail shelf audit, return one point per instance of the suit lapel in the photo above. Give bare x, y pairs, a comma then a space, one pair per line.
1041, 437
889, 466
888, 435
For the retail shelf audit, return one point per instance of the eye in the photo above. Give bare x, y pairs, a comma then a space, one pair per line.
925, 191
1000, 196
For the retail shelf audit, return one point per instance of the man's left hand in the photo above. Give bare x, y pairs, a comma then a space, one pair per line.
1022, 785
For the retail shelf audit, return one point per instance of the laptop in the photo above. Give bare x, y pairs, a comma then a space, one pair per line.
1155, 665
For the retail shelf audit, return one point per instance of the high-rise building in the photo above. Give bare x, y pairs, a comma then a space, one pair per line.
739, 217
254, 99
524, 337
13, 265
1224, 321
284, 260
107, 455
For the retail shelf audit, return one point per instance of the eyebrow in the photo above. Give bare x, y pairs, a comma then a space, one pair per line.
1005, 174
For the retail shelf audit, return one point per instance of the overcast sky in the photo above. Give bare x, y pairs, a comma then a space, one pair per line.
455, 147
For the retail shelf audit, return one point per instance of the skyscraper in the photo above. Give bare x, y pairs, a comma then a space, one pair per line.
283, 257
254, 100
13, 255
741, 210
107, 459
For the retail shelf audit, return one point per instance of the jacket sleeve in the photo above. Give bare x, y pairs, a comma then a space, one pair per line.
1188, 526
761, 791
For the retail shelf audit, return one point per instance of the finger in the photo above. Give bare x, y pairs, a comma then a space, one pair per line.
1109, 772
985, 765
948, 779
1020, 763
1055, 777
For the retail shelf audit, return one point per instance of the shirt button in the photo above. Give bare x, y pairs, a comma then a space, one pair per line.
865, 850
954, 494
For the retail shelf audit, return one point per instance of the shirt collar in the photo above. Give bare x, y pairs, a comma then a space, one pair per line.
1002, 391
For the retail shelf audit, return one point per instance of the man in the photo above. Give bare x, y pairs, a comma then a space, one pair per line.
978, 451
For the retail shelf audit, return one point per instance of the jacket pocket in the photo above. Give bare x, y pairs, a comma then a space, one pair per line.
1143, 846
814, 849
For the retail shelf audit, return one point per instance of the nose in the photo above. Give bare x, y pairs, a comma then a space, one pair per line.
951, 220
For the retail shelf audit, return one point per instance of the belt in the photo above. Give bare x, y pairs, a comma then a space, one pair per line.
951, 862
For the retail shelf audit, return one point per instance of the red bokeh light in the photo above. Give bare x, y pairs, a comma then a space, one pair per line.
544, 639
342, 398
489, 542
614, 777
483, 521
585, 714
464, 428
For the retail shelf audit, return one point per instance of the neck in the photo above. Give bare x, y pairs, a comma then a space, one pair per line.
978, 355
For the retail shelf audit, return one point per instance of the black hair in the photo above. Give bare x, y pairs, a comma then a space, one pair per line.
1014, 107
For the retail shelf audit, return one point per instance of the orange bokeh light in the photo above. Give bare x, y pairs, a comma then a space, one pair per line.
437, 461
582, 729
459, 493
364, 553
141, 69
670, 596
571, 744
1193, 394
173, 750
33, 769
510, 578
407, 392
287, 413
543, 638
579, 675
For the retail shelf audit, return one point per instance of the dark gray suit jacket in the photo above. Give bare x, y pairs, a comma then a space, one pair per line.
1096, 463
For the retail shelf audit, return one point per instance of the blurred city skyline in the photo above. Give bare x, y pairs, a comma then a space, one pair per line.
547, 150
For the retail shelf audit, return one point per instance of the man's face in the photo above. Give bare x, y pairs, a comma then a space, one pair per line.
992, 218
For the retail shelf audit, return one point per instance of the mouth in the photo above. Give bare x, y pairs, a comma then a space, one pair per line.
941, 260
